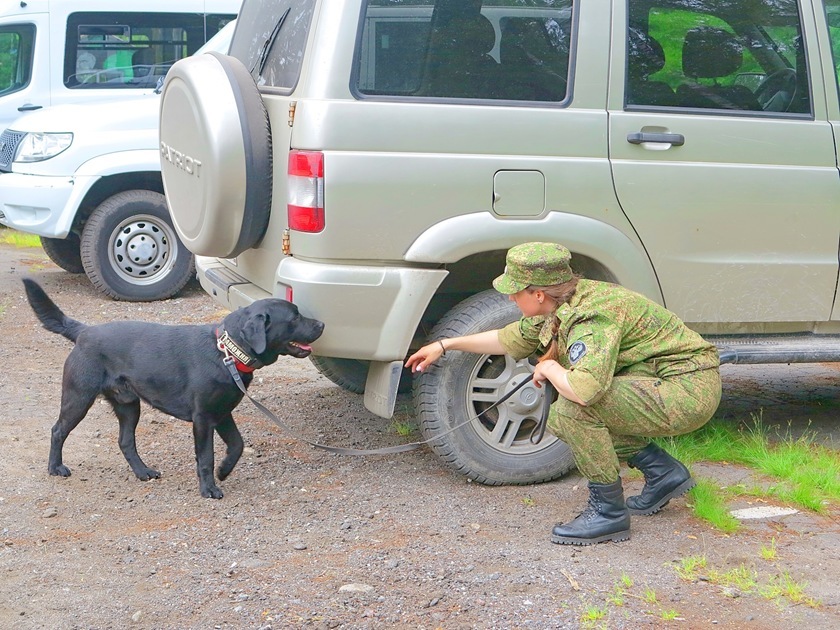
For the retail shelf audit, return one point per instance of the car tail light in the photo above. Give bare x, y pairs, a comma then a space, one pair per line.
306, 191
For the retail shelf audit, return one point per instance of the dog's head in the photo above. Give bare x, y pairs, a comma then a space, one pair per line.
269, 328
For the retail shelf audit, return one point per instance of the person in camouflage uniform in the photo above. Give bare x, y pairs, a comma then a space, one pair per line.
626, 369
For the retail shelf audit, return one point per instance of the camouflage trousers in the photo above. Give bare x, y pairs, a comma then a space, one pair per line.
638, 405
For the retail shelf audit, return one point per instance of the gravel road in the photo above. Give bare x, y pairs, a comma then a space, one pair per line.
304, 538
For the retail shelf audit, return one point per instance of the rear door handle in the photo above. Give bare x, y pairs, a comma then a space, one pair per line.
29, 108
674, 139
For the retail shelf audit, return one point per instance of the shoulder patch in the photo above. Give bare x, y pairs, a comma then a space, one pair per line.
576, 351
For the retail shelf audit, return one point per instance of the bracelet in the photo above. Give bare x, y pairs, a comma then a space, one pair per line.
442, 347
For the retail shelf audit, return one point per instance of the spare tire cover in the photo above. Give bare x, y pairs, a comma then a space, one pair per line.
215, 145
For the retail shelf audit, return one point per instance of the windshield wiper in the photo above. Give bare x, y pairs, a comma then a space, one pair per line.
269, 43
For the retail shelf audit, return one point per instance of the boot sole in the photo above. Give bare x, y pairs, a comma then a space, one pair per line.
616, 537
680, 490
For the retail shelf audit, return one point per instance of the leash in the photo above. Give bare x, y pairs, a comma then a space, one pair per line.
537, 432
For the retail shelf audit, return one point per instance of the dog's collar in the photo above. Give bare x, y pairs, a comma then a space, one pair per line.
243, 361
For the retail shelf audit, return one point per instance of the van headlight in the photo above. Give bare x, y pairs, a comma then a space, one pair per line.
36, 147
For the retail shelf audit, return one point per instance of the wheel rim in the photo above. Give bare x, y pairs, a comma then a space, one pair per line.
506, 428
142, 249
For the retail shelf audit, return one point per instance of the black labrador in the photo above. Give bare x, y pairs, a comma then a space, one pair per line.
179, 370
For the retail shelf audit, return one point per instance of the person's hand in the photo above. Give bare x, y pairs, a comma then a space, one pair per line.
547, 370
425, 356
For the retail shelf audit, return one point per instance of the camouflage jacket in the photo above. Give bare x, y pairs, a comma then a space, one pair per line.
608, 330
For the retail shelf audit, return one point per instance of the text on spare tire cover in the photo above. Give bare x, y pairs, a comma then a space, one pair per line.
180, 160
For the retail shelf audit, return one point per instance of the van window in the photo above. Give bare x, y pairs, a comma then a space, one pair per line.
16, 45
720, 54
832, 14
498, 49
270, 39
131, 50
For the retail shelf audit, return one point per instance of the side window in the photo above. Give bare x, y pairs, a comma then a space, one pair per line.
131, 50
16, 47
503, 49
832, 15
270, 39
722, 54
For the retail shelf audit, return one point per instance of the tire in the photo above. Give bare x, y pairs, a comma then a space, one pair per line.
130, 250
216, 157
351, 374
65, 252
462, 384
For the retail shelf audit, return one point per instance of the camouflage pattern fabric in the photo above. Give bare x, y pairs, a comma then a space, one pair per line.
534, 264
637, 406
640, 370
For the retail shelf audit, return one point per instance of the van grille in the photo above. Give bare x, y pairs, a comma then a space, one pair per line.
9, 142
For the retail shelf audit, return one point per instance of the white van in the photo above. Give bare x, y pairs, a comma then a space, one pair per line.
86, 178
61, 51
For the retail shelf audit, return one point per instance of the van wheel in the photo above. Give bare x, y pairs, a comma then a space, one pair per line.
351, 374
495, 448
64, 252
130, 250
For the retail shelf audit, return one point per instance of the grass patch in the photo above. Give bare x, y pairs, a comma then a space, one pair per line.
19, 239
742, 579
709, 504
803, 473
403, 429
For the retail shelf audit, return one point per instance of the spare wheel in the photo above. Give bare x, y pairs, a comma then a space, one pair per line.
215, 145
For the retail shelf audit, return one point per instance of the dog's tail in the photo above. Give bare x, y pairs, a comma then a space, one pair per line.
50, 315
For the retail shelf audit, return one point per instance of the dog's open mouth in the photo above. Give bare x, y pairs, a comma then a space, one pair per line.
299, 350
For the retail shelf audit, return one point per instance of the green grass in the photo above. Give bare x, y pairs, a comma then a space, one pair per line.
709, 504
403, 429
19, 239
799, 471
780, 588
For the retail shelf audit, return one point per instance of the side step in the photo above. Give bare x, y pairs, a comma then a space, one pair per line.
782, 348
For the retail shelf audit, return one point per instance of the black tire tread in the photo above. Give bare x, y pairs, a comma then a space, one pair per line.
91, 256
471, 314
64, 252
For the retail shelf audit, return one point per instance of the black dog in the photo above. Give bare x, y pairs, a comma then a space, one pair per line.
176, 369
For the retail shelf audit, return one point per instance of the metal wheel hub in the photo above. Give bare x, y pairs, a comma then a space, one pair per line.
527, 400
141, 249
508, 427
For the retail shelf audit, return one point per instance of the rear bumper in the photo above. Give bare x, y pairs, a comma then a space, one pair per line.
370, 312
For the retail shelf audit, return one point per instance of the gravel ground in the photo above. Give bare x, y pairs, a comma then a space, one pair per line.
304, 538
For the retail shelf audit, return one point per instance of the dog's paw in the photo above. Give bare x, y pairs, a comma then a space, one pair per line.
212, 492
146, 474
60, 471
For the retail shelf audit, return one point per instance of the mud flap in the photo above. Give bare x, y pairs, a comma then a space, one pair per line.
383, 379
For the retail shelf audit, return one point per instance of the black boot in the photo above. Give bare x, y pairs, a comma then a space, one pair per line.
605, 518
665, 478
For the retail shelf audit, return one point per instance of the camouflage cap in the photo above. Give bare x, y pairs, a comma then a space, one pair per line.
534, 264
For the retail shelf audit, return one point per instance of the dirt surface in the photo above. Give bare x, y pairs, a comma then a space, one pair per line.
304, 538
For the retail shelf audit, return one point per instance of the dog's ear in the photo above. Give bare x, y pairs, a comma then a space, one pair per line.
254, 332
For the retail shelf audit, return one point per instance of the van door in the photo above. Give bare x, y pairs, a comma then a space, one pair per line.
724, 158
24, 46
829, 41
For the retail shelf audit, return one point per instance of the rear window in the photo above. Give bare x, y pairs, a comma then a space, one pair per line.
270, 39
131, 50
498, 49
